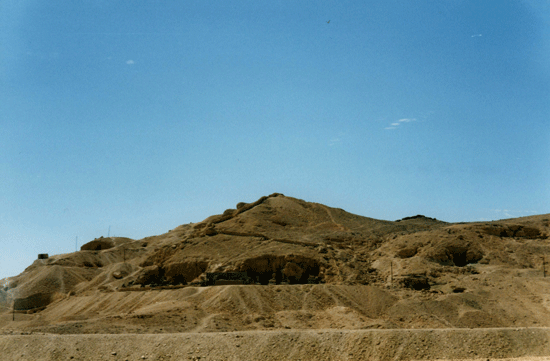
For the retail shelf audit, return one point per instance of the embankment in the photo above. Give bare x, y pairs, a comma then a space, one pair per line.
442, 344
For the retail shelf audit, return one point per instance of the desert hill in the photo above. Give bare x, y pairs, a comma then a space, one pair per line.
281, 263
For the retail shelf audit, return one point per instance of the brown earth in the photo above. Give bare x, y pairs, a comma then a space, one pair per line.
323, 345
289, 267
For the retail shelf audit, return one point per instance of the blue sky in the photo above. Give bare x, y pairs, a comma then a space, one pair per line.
139, 116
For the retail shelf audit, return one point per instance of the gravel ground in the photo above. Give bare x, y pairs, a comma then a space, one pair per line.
436, 344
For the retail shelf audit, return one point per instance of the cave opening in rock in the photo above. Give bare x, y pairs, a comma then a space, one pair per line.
179, 280
280, 270
460, 259
416, 282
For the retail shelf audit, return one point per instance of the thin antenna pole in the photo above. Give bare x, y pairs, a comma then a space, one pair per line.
109, 232
76, 244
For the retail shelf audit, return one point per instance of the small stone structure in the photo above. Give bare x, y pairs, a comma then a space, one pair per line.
43, 256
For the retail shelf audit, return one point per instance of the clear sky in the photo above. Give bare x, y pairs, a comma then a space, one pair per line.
129, 118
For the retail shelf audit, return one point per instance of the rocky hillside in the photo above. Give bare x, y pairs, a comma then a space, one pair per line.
281, 262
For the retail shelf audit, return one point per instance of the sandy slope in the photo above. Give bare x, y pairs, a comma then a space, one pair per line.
510, 300
478, 344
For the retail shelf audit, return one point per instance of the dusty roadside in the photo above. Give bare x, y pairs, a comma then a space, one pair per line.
435, 344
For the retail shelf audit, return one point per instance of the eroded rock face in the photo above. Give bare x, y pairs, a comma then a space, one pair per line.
514, 231
148, 275
292, 270
285, 268
35, 301
407, 252
416, 282
456, 253
184, 272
